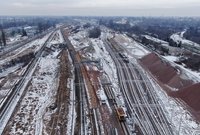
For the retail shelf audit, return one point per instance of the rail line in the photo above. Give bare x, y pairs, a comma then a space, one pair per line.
59, 119
150, 120
80, 89
130, 109
111, 97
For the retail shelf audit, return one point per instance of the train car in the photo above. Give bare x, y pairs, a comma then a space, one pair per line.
121, 113
126, 60
124, 57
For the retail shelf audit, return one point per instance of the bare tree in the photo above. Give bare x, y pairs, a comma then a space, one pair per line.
0, 42
3, 36
24, 32
95, 32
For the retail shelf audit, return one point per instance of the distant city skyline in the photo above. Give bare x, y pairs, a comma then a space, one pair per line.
101, 7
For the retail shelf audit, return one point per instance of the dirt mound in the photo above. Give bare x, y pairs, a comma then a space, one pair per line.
150, 58
178, 82
160, 69
191, 96
164, 72
168, 75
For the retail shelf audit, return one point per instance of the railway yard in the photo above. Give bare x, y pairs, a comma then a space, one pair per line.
63, 82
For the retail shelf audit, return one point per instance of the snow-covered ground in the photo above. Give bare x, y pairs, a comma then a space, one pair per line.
41, 89
10, 70
56, 39
79, 40
16, 38
134, 48
37, 99
181, 120
5, 118
171, 58
122, 21
7, 82
96, 51
155, 39
178, 38
108, 66
72, 112
33, 46
190, 45
193, 75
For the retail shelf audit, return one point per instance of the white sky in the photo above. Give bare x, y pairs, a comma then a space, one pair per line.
101, 7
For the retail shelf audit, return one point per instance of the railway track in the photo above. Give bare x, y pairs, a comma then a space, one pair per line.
82, 98
144, 110
134, 94
146, 89
76, 81
59, 117
150, 120
112, 100
130, 108
149, 96
82, 101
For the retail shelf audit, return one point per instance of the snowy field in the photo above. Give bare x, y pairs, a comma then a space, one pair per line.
33, 46
181, 120
57, 38
79, 40
190, 45
132, 47
193, 75
11, 75
108, 66
178, 38
72, 112
33, 112
42, 88
94, 49
8, 83
155, 39
12, 40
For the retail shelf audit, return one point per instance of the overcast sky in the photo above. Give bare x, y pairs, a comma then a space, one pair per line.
101, 7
